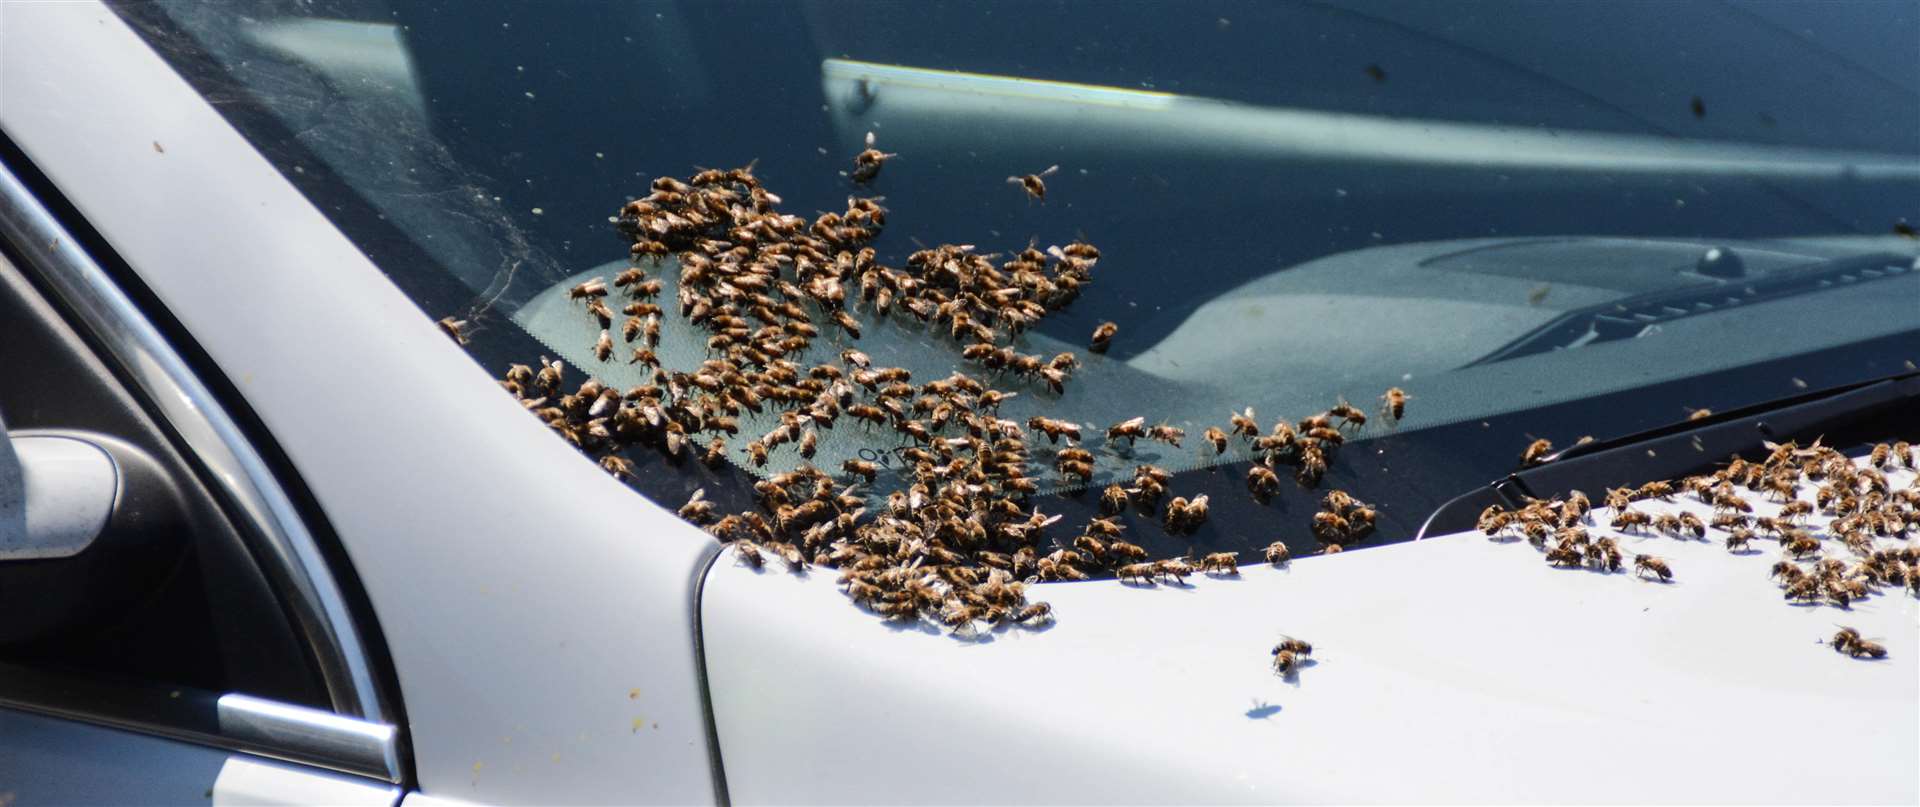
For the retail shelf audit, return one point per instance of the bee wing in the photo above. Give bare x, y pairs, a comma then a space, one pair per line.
869, 139
1131, 423
1051, 170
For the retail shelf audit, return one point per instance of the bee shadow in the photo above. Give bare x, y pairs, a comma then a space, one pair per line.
1262, 710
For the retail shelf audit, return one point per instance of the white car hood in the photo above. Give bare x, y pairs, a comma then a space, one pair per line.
1449, 670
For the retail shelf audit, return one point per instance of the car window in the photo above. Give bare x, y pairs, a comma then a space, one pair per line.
1535, 231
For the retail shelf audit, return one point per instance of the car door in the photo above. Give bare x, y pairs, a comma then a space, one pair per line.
171, 636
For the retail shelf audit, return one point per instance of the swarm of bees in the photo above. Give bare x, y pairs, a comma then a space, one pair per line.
957, 542
1342, 520
1852, 558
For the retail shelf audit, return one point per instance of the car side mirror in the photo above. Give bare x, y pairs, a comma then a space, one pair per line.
88, 526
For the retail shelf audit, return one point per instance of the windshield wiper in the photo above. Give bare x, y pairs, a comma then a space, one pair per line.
1643, 314
1859, 413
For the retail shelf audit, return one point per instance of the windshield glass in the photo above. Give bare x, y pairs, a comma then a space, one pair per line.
1540, 221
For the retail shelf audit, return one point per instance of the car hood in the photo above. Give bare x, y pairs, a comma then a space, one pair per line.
1451, 669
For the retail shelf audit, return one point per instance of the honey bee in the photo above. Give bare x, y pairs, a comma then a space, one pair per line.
1245, 425
1038, 611
1126, 551
1055, 429
1166, 434
1184, 516
596, 287
1216, 438
866, 164
1536, 452
1221, 563
1330, 528
855, 358
603, 347
1494, 520
1137, 572
1349, 415
1103, 336
1881, 456
1630, 520
1262, 482
1285, 662
1738, 538
1278, 554
750, 552
1113, 500
861, 468
1393, 404
697, 509
1847, 640
1296, 646
1034, 184
1649, 564
1129, 429
454, 328
617, 465
1173, 568
757, 453
716, 454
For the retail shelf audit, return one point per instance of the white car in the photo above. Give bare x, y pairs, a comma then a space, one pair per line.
269, 535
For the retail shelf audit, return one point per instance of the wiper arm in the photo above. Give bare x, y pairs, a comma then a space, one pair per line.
1635, 316
1861, 412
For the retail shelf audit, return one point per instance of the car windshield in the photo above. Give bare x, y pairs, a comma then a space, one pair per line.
1540, 221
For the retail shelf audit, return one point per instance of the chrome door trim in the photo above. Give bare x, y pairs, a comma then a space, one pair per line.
287, 550
309, 736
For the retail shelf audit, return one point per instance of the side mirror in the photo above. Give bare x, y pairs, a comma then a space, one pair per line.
89, 526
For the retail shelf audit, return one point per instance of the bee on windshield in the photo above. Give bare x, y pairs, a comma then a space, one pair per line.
1216, 438
1129, 429
596, 287
1034, 184
1536, 452
455, 328
1167, 434
1055, 429
866, 164
1348, 414
1113, 500
1103, 336
1262, 482
757, 453
1393, 404
697, 509
1244, 424
603, 347
861, 468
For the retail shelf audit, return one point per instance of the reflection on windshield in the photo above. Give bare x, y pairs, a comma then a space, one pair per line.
1295, 204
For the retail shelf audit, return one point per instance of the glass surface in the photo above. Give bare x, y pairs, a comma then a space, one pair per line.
1542, 220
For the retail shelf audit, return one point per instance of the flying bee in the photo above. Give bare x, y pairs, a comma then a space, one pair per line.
697, 509
861, 468
1536, 452
1034, 184
1278, 554
454, 328
1393, 404
1649, 564
1216, 438
866, 164
1103, 336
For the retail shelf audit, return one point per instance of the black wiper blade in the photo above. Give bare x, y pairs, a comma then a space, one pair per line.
1645, 313
1866, 411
